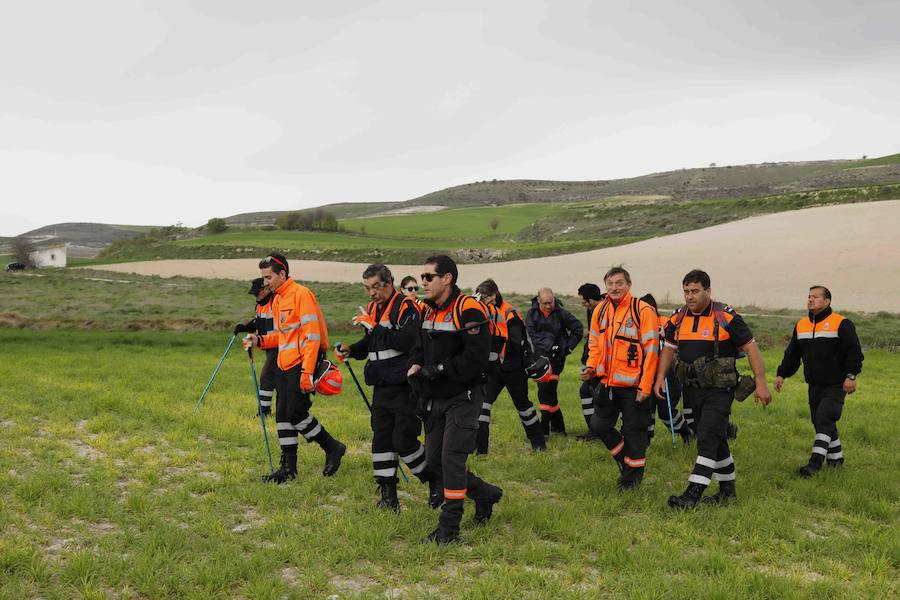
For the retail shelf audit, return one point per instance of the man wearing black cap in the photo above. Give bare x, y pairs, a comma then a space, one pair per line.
590, 296
262, 324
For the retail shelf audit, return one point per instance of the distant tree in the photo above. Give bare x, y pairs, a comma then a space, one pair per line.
22, 250
864, 157
216, 225
712, 165
522, 197
362, 229
316, 219
494, 223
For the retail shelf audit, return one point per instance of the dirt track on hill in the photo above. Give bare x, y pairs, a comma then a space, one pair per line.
767, 261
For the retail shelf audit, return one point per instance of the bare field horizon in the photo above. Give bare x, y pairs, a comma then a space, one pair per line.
767, 261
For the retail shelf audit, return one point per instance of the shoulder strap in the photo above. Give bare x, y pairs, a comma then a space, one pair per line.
636, 312
719, 314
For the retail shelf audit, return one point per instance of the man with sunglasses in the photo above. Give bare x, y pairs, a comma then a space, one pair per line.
391, 325
447, 365
299, 335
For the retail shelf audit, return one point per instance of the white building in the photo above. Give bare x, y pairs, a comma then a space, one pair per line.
49, 256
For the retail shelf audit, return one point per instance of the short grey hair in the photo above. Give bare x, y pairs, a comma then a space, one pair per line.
384, 274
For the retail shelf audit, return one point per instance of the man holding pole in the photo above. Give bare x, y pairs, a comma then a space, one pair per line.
263, 324
391, 323
300, 334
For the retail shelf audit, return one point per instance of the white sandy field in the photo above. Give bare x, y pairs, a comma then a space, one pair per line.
767, 261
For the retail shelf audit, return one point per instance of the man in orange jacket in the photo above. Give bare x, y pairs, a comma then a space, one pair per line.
300, 336
623, 352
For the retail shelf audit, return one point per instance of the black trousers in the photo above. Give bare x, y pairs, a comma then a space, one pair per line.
712, 407
516, 383
268, 378
629, 446
395, 433
826, 403
451, 427
292, 418
586, 393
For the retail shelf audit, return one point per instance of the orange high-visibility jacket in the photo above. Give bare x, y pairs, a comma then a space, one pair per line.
300, 329
623, 347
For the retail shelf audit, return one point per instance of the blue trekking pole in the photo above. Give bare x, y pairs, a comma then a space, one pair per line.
669, 403
369, 406
221, 360
262, 416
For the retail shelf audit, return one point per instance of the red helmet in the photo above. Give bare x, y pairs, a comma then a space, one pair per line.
328, 378
541, 371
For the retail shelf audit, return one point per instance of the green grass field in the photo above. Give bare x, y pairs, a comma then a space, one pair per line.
113, 487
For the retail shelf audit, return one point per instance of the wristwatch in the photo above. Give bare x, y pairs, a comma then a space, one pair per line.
851, 376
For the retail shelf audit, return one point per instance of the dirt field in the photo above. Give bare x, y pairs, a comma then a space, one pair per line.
766, 261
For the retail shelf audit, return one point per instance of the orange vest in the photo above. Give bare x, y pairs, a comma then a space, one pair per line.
623, 344
300, 329
807, 330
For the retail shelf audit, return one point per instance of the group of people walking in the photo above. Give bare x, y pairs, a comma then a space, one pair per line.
442, 361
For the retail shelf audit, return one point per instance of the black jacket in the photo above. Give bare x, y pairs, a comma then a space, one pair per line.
560, 328
463, 353
393, 332
826, 360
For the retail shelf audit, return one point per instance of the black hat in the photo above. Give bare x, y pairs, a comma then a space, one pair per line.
256, 286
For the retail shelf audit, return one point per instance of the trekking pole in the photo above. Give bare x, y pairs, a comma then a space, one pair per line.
669, 404
262, 416
369, 406
221, 360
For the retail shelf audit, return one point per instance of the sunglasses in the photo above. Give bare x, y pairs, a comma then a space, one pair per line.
412, 288
429, 276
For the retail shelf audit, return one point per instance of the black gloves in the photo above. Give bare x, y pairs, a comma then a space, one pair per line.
245, 328
431, 372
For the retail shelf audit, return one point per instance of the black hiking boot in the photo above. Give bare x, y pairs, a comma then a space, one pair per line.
835, 462
435, 492
441, 536
333, 459
388, 491
484, 507
286, 471
811, 468
689, 498
725, 494
687, 434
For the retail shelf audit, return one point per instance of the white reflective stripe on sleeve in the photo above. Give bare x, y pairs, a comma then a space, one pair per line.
706, 462
289, 328
386, 324
630, 331
287, 346
699, 479
825, 334
313, 336
449, 326
267, 315
650, 335
384, 354
308, 318
724, 476
805, 336
595, 333
383, 456
651, 350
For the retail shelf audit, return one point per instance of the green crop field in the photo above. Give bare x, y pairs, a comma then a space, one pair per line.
112, 486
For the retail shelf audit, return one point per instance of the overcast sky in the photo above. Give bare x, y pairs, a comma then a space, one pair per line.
153, 113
